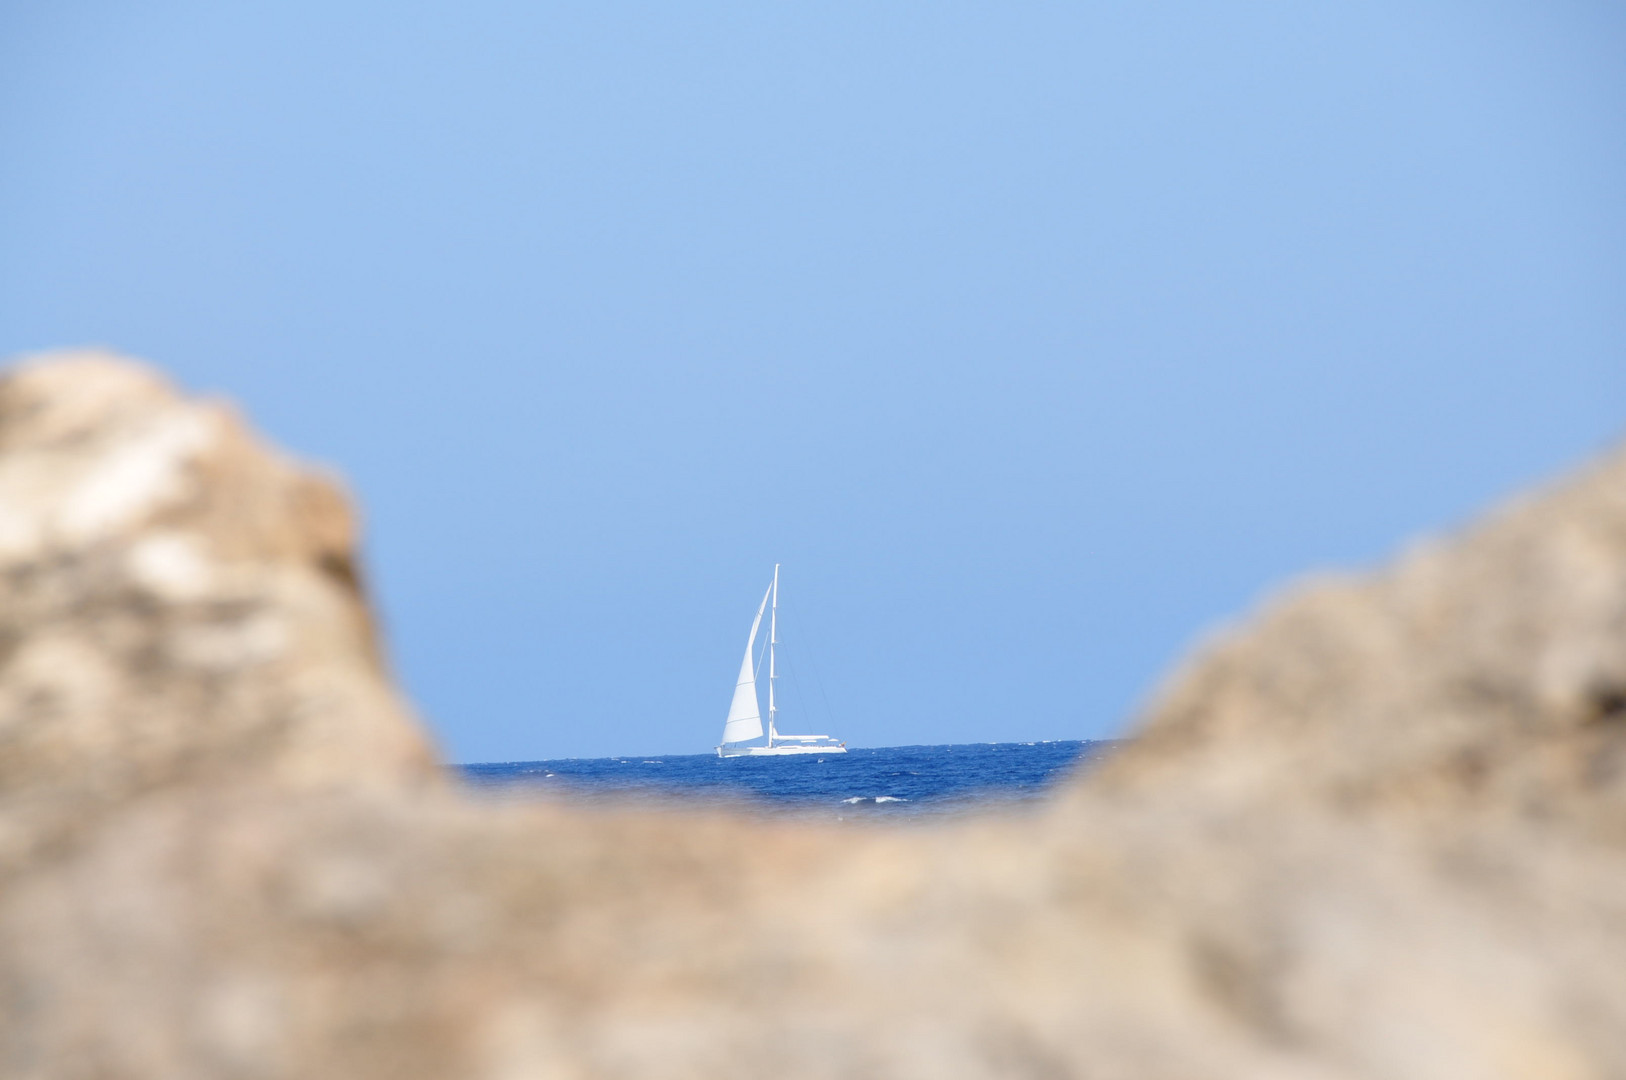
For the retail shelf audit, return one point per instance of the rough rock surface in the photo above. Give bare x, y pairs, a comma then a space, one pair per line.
176, 603
1377, 831
1483, 674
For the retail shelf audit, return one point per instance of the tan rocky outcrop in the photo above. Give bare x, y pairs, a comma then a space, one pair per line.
177, 604
1373, 832
1483, 674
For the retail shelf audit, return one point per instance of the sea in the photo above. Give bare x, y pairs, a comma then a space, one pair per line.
884, 782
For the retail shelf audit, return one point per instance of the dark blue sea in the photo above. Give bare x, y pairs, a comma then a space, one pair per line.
887, 781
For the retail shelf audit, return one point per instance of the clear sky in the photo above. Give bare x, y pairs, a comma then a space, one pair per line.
1035, 340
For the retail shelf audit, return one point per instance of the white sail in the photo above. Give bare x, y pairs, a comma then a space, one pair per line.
744, 715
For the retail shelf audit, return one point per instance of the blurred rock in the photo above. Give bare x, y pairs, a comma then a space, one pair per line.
177, 603
1483, 675
1376, 832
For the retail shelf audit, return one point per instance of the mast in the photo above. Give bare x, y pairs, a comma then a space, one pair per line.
773, 639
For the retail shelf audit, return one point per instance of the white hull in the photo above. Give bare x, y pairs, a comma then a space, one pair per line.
777, 751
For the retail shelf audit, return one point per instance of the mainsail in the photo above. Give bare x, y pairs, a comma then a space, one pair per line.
744, 715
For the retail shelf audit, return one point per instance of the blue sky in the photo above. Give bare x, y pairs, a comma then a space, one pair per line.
1035, 340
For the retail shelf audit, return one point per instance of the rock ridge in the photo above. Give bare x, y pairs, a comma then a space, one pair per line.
1375, 830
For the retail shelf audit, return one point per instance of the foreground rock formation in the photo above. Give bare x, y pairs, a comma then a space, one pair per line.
1377, 831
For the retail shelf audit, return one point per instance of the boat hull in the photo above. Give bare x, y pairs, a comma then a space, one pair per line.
777, 751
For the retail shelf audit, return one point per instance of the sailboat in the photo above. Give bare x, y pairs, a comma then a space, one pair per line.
744, 723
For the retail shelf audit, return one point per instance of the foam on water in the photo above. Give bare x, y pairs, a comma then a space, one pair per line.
892, 780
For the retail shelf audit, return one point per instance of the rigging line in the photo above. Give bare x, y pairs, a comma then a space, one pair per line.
829, 713
790, 665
